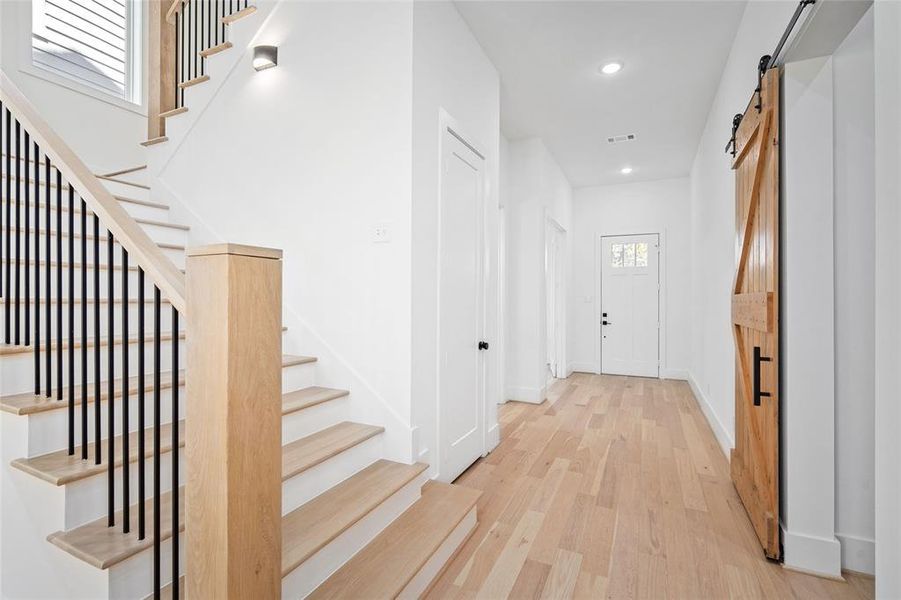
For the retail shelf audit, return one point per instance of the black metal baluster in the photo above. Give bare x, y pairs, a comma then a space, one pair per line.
8, 253
141, 461
156, 442
26, 277
47, 281
59, 287
4, 175
175, 490
177, 61
98, 425
71, 323
126, 525
111, 385
194, 36
84, 329
18, 234
37, 269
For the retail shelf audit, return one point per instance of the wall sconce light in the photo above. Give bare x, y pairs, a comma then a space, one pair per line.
265, 57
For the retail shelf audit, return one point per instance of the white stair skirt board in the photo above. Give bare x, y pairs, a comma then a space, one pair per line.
305, 486
810, 554
316, 569
302, 423
433, 567
526, 394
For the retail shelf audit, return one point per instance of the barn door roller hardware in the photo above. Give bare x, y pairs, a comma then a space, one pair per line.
736, 121
768, 61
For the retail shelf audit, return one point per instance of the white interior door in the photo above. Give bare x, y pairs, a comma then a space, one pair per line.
630, 314
461, 420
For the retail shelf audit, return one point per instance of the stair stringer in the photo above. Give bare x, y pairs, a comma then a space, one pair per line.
242, 34
367, 405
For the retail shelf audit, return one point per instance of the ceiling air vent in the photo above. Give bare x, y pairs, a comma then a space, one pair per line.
619, 139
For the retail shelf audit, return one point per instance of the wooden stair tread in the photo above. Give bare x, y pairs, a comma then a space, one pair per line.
192, 82
206, 52
123, 181
309, 528
173, 112
77, 210
310, 396
59, 468
156, 140
103, 546
123, 171
390, 561
291, 360
235, 16
7, 350
29, 404
309, 451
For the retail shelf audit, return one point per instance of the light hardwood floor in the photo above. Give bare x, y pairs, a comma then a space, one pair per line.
615, 487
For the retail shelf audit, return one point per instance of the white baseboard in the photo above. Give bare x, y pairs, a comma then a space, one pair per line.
812, 554
858, 554
526, 394
582, 367
727, 442
679, 374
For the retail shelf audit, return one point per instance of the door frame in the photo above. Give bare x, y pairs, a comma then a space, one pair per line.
661, 297
448, 124
561, 300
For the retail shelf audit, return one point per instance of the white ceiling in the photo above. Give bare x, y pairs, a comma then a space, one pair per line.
548, 53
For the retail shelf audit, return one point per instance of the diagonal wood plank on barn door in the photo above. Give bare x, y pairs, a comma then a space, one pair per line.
755, 314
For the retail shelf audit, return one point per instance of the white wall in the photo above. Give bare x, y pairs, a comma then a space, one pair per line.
538, 190
855, 256
644, 207
807, 339
104, 135
887, 53
308, 157
713, 219
450, 72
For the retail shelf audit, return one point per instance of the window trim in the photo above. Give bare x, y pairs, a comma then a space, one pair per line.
135, 53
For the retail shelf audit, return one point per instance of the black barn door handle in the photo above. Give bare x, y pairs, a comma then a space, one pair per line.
757, 360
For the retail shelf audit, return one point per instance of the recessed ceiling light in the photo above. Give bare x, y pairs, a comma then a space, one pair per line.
611, 68
625, 170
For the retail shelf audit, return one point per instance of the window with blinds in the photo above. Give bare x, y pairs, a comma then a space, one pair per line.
89, 41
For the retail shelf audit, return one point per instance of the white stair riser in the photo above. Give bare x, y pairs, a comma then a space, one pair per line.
298, 377
123, 189
17, 370
302, 488
158, 233
40, 191
132, 579
133, 313
176, 255
316, 569
429, 571
86, 500
304, 422
76, 281
48, 431
136, 210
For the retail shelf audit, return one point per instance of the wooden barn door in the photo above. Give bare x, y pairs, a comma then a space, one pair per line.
755, 313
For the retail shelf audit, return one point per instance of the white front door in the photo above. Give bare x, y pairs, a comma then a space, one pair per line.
461, 418
630, 305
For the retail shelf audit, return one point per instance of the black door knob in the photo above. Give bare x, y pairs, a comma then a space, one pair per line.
606, 322
483, 345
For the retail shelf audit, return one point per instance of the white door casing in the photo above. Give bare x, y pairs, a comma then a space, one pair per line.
630, 305
461, 306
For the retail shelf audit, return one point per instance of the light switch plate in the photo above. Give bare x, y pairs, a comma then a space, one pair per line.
381, 233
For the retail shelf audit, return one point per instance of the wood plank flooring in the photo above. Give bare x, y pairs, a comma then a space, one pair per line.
615, 487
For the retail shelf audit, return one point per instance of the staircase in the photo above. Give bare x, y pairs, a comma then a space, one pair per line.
93, 402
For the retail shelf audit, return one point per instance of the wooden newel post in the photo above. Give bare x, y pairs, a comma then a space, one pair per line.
233, 430
160, 67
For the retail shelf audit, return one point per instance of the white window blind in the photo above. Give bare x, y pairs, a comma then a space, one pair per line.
89, 41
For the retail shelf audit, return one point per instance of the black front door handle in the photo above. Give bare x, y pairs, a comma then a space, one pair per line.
483, 345
605, 322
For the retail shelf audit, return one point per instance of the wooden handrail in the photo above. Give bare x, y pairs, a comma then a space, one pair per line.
141, 249
174, 8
